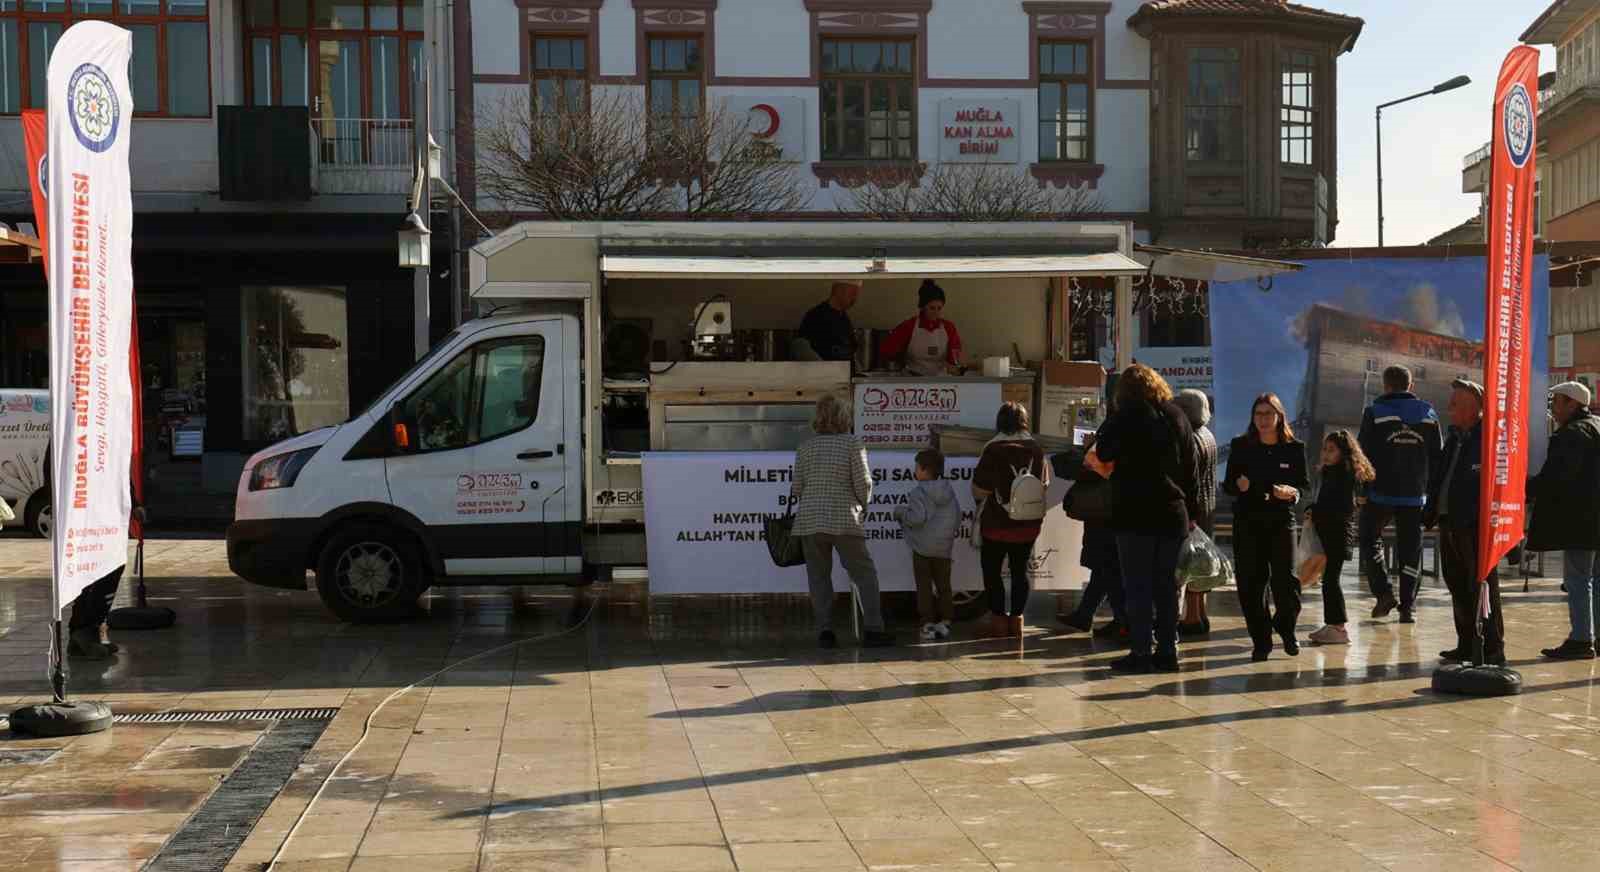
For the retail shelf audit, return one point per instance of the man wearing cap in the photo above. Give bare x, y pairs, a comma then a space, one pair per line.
1566, 512
1453, 506
1400, 435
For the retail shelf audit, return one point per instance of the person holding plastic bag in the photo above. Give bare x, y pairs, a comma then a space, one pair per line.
1195, 623
1345, 470
1266, 474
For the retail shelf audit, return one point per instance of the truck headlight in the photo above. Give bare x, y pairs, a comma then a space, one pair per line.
280, 470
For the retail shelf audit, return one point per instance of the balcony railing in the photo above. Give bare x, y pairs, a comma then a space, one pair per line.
362, 155
1568, 81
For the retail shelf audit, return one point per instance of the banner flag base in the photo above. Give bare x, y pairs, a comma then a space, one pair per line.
53, 719
141, 616
1469, 680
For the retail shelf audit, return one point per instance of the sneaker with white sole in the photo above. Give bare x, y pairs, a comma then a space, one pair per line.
1331, 635
942, 630
930, 632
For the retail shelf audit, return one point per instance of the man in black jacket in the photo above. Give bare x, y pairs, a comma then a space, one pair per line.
1566, 512
1400, 435
1454, 506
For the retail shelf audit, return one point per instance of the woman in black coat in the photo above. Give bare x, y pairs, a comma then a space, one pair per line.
1147, 448
1345, 469
1266, 474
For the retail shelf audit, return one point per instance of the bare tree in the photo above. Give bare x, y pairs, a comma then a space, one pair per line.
610, 158
964, 192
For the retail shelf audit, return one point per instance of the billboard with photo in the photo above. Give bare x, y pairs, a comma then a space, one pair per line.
1321, 338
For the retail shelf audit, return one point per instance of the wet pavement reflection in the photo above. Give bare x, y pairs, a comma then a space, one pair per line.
603, 730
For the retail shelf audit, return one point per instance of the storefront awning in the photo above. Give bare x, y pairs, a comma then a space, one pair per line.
1209, 266
627, 266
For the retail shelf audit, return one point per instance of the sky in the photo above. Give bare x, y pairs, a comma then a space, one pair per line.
1409, 46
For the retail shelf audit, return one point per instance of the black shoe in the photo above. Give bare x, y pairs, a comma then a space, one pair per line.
877, 639
1197, 630
826, 639
1406, 617
1164, 663
1572, 649
1495, 660
1260, 655
1455, 655
1291, 646
1133, 664
1386, 604
1113, 630
1076, 623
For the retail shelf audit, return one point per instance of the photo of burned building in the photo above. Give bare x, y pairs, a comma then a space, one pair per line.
1345, 358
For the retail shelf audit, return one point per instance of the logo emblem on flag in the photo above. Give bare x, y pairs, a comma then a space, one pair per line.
44, 176
1519, 125
95, 112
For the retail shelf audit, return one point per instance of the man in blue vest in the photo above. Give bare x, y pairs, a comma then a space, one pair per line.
1400, 434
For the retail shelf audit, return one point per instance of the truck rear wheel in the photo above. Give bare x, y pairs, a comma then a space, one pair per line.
368, 573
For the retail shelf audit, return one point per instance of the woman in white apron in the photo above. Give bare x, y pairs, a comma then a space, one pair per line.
928, 344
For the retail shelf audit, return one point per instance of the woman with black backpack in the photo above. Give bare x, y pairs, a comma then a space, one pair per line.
1147, 449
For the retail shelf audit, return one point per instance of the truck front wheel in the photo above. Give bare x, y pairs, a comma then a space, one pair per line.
40, 519
368, 573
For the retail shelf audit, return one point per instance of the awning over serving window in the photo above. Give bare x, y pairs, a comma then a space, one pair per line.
1209, 266
628, 266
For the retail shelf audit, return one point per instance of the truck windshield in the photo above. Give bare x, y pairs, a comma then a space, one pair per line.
421, 362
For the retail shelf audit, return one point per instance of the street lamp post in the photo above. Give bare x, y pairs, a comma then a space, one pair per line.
1451, 85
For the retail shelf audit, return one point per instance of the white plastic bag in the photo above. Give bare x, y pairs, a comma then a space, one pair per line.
1309, 558
6, 515
1202, 566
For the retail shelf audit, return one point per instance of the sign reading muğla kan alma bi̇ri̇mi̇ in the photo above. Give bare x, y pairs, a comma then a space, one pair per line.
983, 131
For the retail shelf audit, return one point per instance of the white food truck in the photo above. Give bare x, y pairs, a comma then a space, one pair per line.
24, 449
518, 448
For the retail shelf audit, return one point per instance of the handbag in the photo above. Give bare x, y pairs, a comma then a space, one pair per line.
782, 543
1089, 501
975, 535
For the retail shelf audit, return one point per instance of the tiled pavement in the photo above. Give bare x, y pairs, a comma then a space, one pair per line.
711, 736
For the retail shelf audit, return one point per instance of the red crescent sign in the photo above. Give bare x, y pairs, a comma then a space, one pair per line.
772, 120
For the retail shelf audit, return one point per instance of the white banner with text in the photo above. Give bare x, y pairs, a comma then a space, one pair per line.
704, 513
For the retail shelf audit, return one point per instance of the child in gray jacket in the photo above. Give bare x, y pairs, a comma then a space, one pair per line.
931, 519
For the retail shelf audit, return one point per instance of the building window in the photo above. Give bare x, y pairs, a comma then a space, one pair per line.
296, 370
1066, 101
1214, 108
560, 74
868, 95
1298, 115
171, 70
675, 82
351, 63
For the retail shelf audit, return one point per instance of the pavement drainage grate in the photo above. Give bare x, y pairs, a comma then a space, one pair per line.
27, 756
210, 838
303, 714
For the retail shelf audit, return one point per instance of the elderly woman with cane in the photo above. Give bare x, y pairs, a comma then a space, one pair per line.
832, 489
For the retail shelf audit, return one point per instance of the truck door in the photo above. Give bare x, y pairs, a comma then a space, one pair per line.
489, 452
